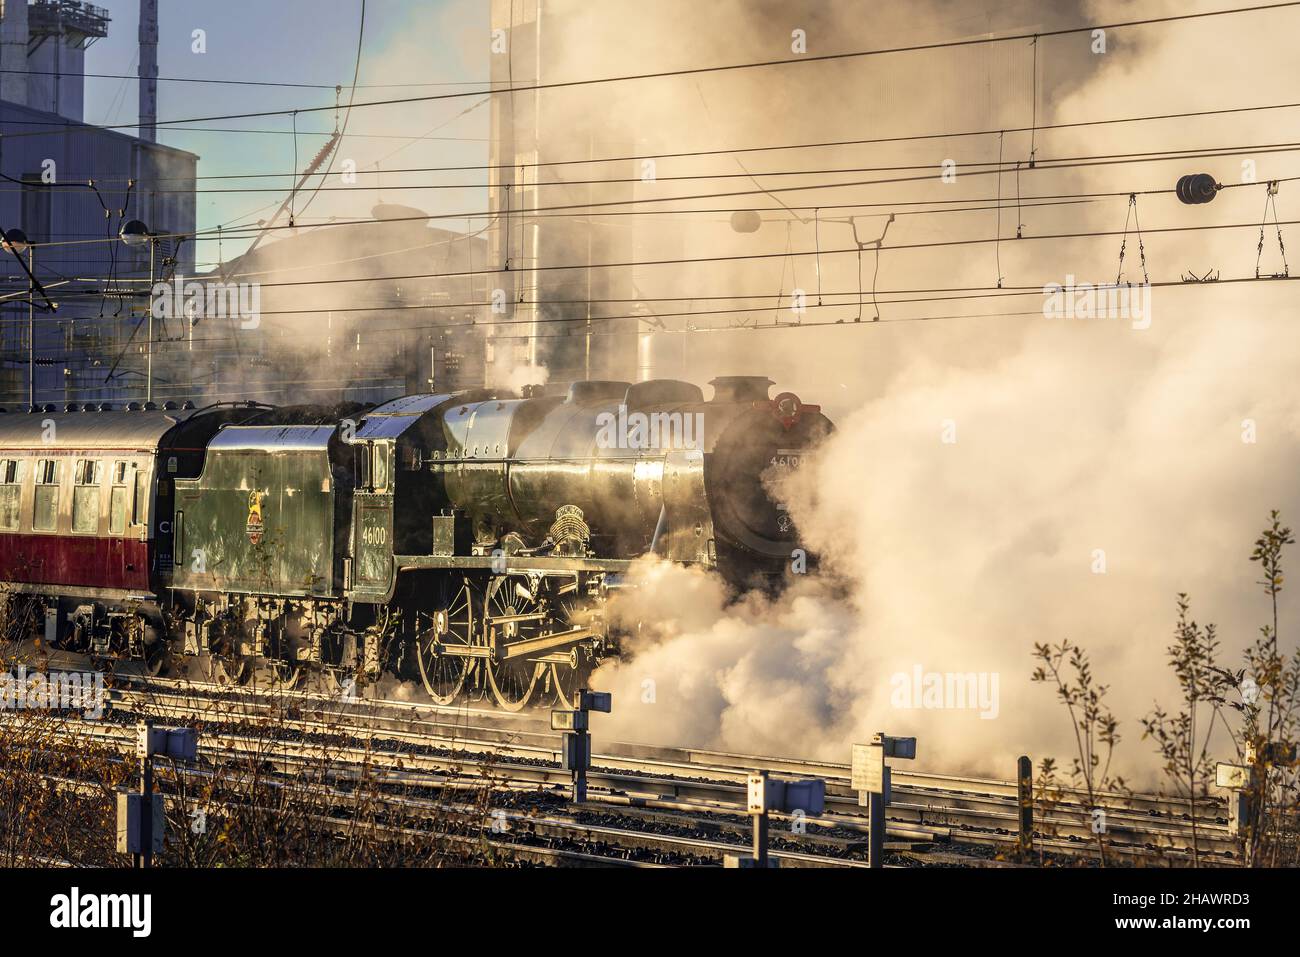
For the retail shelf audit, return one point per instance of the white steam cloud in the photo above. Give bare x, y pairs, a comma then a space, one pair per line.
999, 480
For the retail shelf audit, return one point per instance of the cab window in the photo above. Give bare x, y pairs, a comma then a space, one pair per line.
379, 466
363, 467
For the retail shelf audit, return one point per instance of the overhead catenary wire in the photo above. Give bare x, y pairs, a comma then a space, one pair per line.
578, 322
893, 297
226, 81
737, 257
802, 60
731, 151
585, 209
992, 168
347, 116
740, 257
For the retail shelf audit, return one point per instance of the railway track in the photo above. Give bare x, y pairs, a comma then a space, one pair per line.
641, 789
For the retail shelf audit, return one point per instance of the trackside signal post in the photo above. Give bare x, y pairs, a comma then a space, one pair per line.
1242, 782
766, 793
871, 781
577, 738
141, 820
1025, 801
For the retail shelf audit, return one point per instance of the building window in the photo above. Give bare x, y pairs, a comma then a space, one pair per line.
45, 509
11, 474
85, 497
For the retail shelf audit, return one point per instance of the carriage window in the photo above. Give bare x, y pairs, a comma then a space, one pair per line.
45, 509
10, 489
141, 503
85, 496
117, 499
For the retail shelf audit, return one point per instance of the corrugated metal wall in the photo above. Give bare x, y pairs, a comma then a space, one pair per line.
76, 349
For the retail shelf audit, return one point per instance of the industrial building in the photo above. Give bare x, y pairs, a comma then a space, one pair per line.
364, 341
90, 349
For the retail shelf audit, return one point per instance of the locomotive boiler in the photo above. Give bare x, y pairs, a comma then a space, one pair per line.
467, 540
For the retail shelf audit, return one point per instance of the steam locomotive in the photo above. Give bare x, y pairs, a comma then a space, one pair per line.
468, 540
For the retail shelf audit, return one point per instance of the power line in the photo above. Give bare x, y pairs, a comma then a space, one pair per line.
586, 209
741, 257
738, 257
733, 67
77, 74
347, 116
1060, 162
1191, 114
915, 295
990, 292
63, 128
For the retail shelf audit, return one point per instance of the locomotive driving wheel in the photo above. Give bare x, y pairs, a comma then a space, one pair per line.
451, 630
512, 613
564, 678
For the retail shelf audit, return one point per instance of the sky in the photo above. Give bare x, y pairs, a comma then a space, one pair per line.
301, 41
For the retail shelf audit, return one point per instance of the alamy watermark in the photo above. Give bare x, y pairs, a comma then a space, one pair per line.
75, 910
194, 300
57, 691
649, 430
950, 690
1130, 302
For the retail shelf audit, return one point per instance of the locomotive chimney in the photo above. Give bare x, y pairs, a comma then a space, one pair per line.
741, 388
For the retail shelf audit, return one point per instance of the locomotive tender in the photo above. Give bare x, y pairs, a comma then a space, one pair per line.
467, 539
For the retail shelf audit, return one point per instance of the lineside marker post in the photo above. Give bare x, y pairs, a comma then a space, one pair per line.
870, 778
758, 800
1025, 797
797, 796
576, 756
141, 818
1242, 783
1238, 780
144, 858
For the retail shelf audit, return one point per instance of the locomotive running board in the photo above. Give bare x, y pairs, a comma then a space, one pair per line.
513, 563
